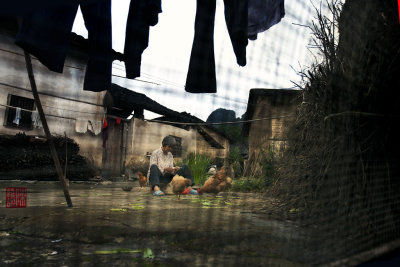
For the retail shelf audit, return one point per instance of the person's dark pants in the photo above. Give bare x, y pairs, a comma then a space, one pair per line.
157, 178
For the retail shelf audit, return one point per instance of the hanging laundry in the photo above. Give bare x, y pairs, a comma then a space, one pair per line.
81, 125
236, 17
36, 122
94, 127
46, 35
105, 136
97, 18
201, 76
105, 131
105, 124
17, 116
142, 14
23, 7
263, 14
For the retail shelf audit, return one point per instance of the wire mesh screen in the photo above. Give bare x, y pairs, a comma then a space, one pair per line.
293, 161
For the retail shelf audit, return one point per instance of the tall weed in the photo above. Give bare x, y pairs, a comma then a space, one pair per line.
269, 165
198, 164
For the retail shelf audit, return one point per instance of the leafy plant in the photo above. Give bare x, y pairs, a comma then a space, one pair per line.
262, 174
178, 162
269, 165
249, 185
198, 164
236, 160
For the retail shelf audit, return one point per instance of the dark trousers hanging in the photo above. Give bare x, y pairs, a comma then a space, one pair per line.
142, 14
46, 34
236, 16
97, 18
201, 76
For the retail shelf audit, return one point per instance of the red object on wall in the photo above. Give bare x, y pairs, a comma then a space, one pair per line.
119, 119
105, 124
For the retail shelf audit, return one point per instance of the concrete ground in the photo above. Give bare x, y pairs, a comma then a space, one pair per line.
111, 227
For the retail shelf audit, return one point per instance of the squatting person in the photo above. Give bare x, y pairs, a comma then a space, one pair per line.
162, 168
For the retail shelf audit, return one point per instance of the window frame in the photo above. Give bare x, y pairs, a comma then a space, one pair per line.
14, 101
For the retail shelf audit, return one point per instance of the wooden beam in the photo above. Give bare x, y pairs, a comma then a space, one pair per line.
46, 128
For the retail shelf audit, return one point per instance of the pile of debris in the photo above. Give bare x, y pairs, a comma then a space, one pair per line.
25, 157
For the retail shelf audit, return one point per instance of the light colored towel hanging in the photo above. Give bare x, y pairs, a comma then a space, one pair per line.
17, 116
81, 125
36, 122
94, 127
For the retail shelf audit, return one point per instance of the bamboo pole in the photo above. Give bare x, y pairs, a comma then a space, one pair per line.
46, 128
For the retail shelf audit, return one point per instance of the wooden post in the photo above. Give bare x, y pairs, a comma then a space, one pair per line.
66, 155
46, 128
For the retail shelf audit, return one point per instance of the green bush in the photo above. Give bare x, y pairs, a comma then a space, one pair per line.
198, 165
263, 173
269, 166
236, 161
248, 185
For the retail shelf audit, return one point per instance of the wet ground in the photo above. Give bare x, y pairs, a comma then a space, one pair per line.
111, 227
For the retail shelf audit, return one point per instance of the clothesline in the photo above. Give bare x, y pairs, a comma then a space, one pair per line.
80, 101
172, 122
165, 82
82, 125
161, 81
52, 95
69, 118
219, 123
79, 68
51, 115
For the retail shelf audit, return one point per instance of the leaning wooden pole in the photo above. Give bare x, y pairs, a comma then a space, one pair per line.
46, 129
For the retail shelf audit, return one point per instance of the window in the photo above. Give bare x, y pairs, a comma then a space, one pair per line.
15, 118
177, 149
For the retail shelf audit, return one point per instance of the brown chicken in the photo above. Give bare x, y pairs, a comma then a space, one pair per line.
216, 183
142, 180
179, 184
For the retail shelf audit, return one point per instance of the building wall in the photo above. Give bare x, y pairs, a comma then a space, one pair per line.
145, 137
279, 109
69, 85
212, 152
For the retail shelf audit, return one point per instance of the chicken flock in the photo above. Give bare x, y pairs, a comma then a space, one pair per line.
217, 182
214, 184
